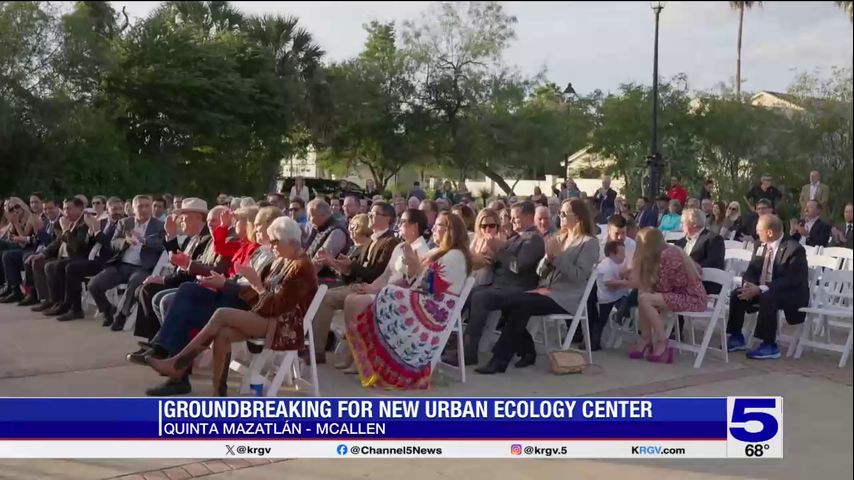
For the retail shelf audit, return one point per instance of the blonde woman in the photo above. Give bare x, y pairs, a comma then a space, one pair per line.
13, 238
667, 280
487, 227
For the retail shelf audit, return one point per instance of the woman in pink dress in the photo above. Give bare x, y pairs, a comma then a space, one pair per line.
667, 280
395, 339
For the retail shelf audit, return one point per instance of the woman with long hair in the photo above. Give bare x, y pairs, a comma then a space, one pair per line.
667, 280
467, 214
732, 222
716, 223
487, 227
570, 258
394, 340
14, 237
278, 301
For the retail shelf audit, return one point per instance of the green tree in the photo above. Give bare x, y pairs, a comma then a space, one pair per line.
848, 9
375, 122
457, 48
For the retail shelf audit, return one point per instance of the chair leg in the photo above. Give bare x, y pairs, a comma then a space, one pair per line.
806, 331
284, 370
707, 338
846, 351
255, 366
797, 336
585, 329
461, 357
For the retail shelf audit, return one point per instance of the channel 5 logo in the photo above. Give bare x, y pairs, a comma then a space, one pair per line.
341, 449
516, 449
758, 412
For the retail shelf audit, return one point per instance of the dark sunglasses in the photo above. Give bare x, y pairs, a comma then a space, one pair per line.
487, 226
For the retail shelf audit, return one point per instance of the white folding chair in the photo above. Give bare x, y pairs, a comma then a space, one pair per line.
712, 317
490, 332
737, 260
455, 324
579, 317
673, 236
87, 297
284, 365
822, 261
161, 264
811, 250
831, 308
845, 255
733, 245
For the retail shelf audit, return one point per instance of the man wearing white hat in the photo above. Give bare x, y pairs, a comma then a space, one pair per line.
200, 259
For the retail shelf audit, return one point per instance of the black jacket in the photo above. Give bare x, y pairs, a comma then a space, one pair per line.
790, 276
708, 252
819, 234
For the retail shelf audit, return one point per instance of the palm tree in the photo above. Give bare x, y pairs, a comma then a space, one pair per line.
740, 6
847, 7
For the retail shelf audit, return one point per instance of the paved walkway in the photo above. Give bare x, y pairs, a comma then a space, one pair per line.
42, 357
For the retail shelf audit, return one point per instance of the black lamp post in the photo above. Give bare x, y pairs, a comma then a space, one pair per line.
654, 157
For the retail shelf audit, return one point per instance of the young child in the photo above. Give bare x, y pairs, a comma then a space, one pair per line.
611, 288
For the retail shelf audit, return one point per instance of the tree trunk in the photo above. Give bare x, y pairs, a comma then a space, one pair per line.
738, 53
498, 179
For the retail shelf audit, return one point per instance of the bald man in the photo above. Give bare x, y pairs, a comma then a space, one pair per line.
776, 279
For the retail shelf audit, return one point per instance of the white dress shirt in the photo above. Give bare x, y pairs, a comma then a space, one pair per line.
396, 263
775, 246
133, 253
814, 190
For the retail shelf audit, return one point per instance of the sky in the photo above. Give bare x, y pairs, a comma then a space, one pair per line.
599, 45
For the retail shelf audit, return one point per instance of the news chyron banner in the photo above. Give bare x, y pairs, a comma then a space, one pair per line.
733, 427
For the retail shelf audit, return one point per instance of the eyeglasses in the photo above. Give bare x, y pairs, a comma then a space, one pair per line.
487, 226
731, 208
376, 214
274, 242
294, 209
97, 202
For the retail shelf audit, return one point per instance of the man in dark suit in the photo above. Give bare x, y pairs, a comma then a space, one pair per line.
71, 244
367, 268
702, 245
99, 236
646, 216
514, 266
605, 198
192, 219
748, 225
137, 243
844, 235
776, 279
811, 230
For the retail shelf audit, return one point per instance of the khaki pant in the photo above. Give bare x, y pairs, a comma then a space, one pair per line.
332, 301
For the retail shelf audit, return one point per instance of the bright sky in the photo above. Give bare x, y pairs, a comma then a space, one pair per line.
602, 44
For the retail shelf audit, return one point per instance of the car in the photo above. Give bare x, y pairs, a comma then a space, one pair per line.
324, 186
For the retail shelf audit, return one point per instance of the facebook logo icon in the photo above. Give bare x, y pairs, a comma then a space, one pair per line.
342, 449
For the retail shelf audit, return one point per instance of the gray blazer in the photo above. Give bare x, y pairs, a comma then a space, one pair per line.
566, 275
152, 245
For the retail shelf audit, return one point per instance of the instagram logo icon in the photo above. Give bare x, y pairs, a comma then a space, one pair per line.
516, 449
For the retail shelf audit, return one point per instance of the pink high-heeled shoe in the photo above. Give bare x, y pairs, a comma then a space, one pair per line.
638, 354
664, 357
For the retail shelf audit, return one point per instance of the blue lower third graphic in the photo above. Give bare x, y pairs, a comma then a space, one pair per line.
342, 449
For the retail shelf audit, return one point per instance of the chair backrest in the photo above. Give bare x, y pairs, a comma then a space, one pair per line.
93, 254
738, 254
834, 289
453, 319
733, 245
838, 252
724, 279
673, 236
731, 235
811, 250
313, 307
821, 261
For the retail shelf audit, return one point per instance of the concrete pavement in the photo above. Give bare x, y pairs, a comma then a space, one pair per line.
42, 357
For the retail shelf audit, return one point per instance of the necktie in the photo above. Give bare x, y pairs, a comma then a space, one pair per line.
848, 230
766, 266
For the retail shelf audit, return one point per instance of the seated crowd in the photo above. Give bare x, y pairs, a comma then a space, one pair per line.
196, 277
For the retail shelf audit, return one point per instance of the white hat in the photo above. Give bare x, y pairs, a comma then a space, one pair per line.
193, 205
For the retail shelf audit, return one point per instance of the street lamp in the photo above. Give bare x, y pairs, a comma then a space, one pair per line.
654, 157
